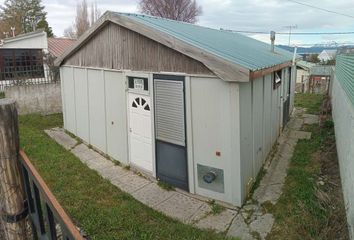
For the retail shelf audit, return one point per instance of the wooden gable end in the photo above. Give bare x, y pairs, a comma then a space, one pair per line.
116, 47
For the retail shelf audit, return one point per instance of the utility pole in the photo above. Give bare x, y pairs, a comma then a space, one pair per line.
291, 27
12, 195
272, 40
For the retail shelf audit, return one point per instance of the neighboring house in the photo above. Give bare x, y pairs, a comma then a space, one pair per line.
343, 116
196, 107
22, 56
303, 75
327, 55
57, 46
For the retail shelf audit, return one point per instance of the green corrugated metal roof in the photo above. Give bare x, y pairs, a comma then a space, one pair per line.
321, 70
305, 64
345, 74
236, 48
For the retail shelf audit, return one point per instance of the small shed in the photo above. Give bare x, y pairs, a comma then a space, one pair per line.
196, 107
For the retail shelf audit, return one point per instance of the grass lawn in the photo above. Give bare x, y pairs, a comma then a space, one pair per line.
2, 95
99, 208
304, 210
312, 102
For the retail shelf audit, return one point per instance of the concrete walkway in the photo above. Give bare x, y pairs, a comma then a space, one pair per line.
249, 222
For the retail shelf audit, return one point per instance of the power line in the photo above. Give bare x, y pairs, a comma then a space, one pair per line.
292, 33
322, 9
318, 33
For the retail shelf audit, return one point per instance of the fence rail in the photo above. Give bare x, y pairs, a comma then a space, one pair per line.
16, 77
48, 218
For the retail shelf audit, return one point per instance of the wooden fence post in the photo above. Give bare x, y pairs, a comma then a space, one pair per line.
12, 194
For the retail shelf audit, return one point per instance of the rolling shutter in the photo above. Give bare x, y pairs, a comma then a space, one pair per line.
169, 111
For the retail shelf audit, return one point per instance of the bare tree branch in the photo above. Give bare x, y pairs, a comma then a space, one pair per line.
181, 10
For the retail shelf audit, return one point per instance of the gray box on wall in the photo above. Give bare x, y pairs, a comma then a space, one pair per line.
216, 184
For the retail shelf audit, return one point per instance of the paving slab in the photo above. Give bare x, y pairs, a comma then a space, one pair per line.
295, 124
240, 229
262, 225
310, 119
113, 172
84, 155
180, 207
299, 135
152, 195
217, 222
202, 212
62, 138
132, 182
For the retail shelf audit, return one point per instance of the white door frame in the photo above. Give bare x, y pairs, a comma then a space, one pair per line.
146, 93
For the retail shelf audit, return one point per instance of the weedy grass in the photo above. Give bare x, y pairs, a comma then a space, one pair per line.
312, 102
299, 213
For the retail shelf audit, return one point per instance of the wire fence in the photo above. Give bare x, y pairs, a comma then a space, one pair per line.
21, 77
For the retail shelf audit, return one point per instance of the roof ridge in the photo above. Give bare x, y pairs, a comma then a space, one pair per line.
172, 20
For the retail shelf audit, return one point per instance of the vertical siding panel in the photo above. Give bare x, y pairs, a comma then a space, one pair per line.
81, 104
97, 109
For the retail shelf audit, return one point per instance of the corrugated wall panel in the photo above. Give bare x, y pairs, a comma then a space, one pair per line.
343, 116
169, 111
81, 104
246, 135
257, 108
345, 74
267, 103
97, 109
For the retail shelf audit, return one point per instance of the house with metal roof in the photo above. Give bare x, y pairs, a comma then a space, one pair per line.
195, 107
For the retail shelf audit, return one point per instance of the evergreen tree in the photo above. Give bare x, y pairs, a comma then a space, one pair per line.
24, 15
44, 25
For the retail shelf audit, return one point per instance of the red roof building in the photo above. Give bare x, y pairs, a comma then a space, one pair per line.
57, 46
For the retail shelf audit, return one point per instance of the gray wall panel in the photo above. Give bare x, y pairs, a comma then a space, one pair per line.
81, 104
69, 99
246, 135
116, 116
97, 109
211, 119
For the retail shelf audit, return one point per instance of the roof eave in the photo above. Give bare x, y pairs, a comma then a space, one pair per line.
262, 72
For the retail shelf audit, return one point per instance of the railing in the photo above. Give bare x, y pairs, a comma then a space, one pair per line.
48, 218
20, 77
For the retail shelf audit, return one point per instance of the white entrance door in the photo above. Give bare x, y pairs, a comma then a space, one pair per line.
140, 132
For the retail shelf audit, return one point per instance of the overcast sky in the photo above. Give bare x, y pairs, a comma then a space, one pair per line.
249, 15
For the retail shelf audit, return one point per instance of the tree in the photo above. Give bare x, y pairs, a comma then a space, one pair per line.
95, 13
313, 58
83, 20
181, 10
69, 32
43, 24
24, 15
